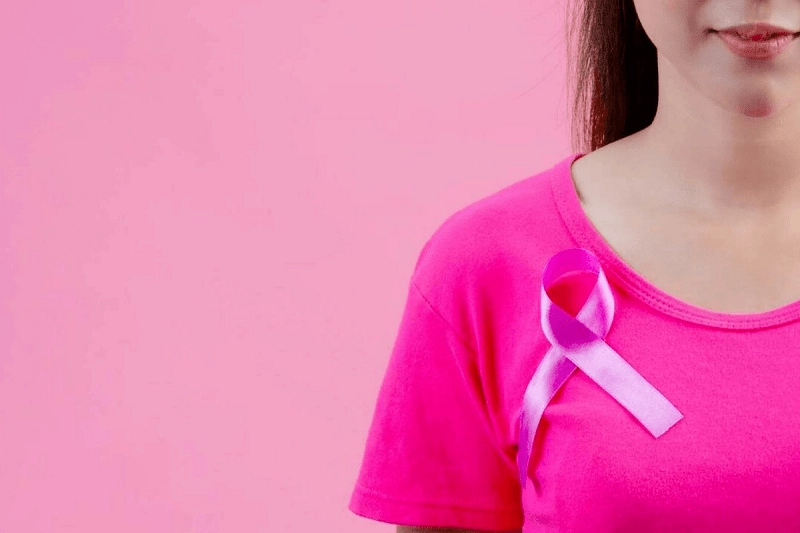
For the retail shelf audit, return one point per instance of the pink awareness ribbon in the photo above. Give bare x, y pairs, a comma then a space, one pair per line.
579, 343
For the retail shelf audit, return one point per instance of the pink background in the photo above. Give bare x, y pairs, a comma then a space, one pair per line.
209, 214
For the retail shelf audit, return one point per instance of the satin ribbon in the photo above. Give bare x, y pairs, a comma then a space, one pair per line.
579, 343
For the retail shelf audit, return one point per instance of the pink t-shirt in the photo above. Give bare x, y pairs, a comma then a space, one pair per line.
442, 447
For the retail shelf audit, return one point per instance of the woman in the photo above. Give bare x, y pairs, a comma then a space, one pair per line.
688, 205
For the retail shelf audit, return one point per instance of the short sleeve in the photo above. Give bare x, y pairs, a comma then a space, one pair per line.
431, 458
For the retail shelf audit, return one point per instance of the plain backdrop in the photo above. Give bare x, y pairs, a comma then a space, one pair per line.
209, 215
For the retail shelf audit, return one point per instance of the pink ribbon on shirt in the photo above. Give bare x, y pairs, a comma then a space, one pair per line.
579, 343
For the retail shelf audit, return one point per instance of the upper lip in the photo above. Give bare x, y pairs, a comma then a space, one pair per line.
758, 28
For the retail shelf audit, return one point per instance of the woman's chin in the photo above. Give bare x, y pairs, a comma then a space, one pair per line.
758, 110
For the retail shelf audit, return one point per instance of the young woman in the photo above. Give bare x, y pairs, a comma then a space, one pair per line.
672, 245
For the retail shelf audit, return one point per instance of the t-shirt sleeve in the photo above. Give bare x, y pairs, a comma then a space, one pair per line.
431, 458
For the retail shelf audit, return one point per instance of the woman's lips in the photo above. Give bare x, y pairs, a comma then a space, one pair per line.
754, 29
759, 46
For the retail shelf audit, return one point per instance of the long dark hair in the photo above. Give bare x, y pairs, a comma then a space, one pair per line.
615, 74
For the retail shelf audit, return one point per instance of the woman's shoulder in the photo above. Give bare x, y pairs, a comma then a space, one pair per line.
517, 219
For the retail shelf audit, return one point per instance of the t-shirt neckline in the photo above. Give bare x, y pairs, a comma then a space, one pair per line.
587, 236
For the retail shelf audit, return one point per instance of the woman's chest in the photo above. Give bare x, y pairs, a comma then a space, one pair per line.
731, 464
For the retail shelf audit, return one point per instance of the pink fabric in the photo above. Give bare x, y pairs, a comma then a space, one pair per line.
442, 447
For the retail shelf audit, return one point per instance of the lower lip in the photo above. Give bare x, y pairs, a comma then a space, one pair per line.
766, 49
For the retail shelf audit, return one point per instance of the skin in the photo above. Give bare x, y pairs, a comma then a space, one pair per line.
707, 198
725, 141
718, 170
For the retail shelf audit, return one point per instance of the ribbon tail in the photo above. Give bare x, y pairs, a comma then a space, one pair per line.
550, 375
629, 388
